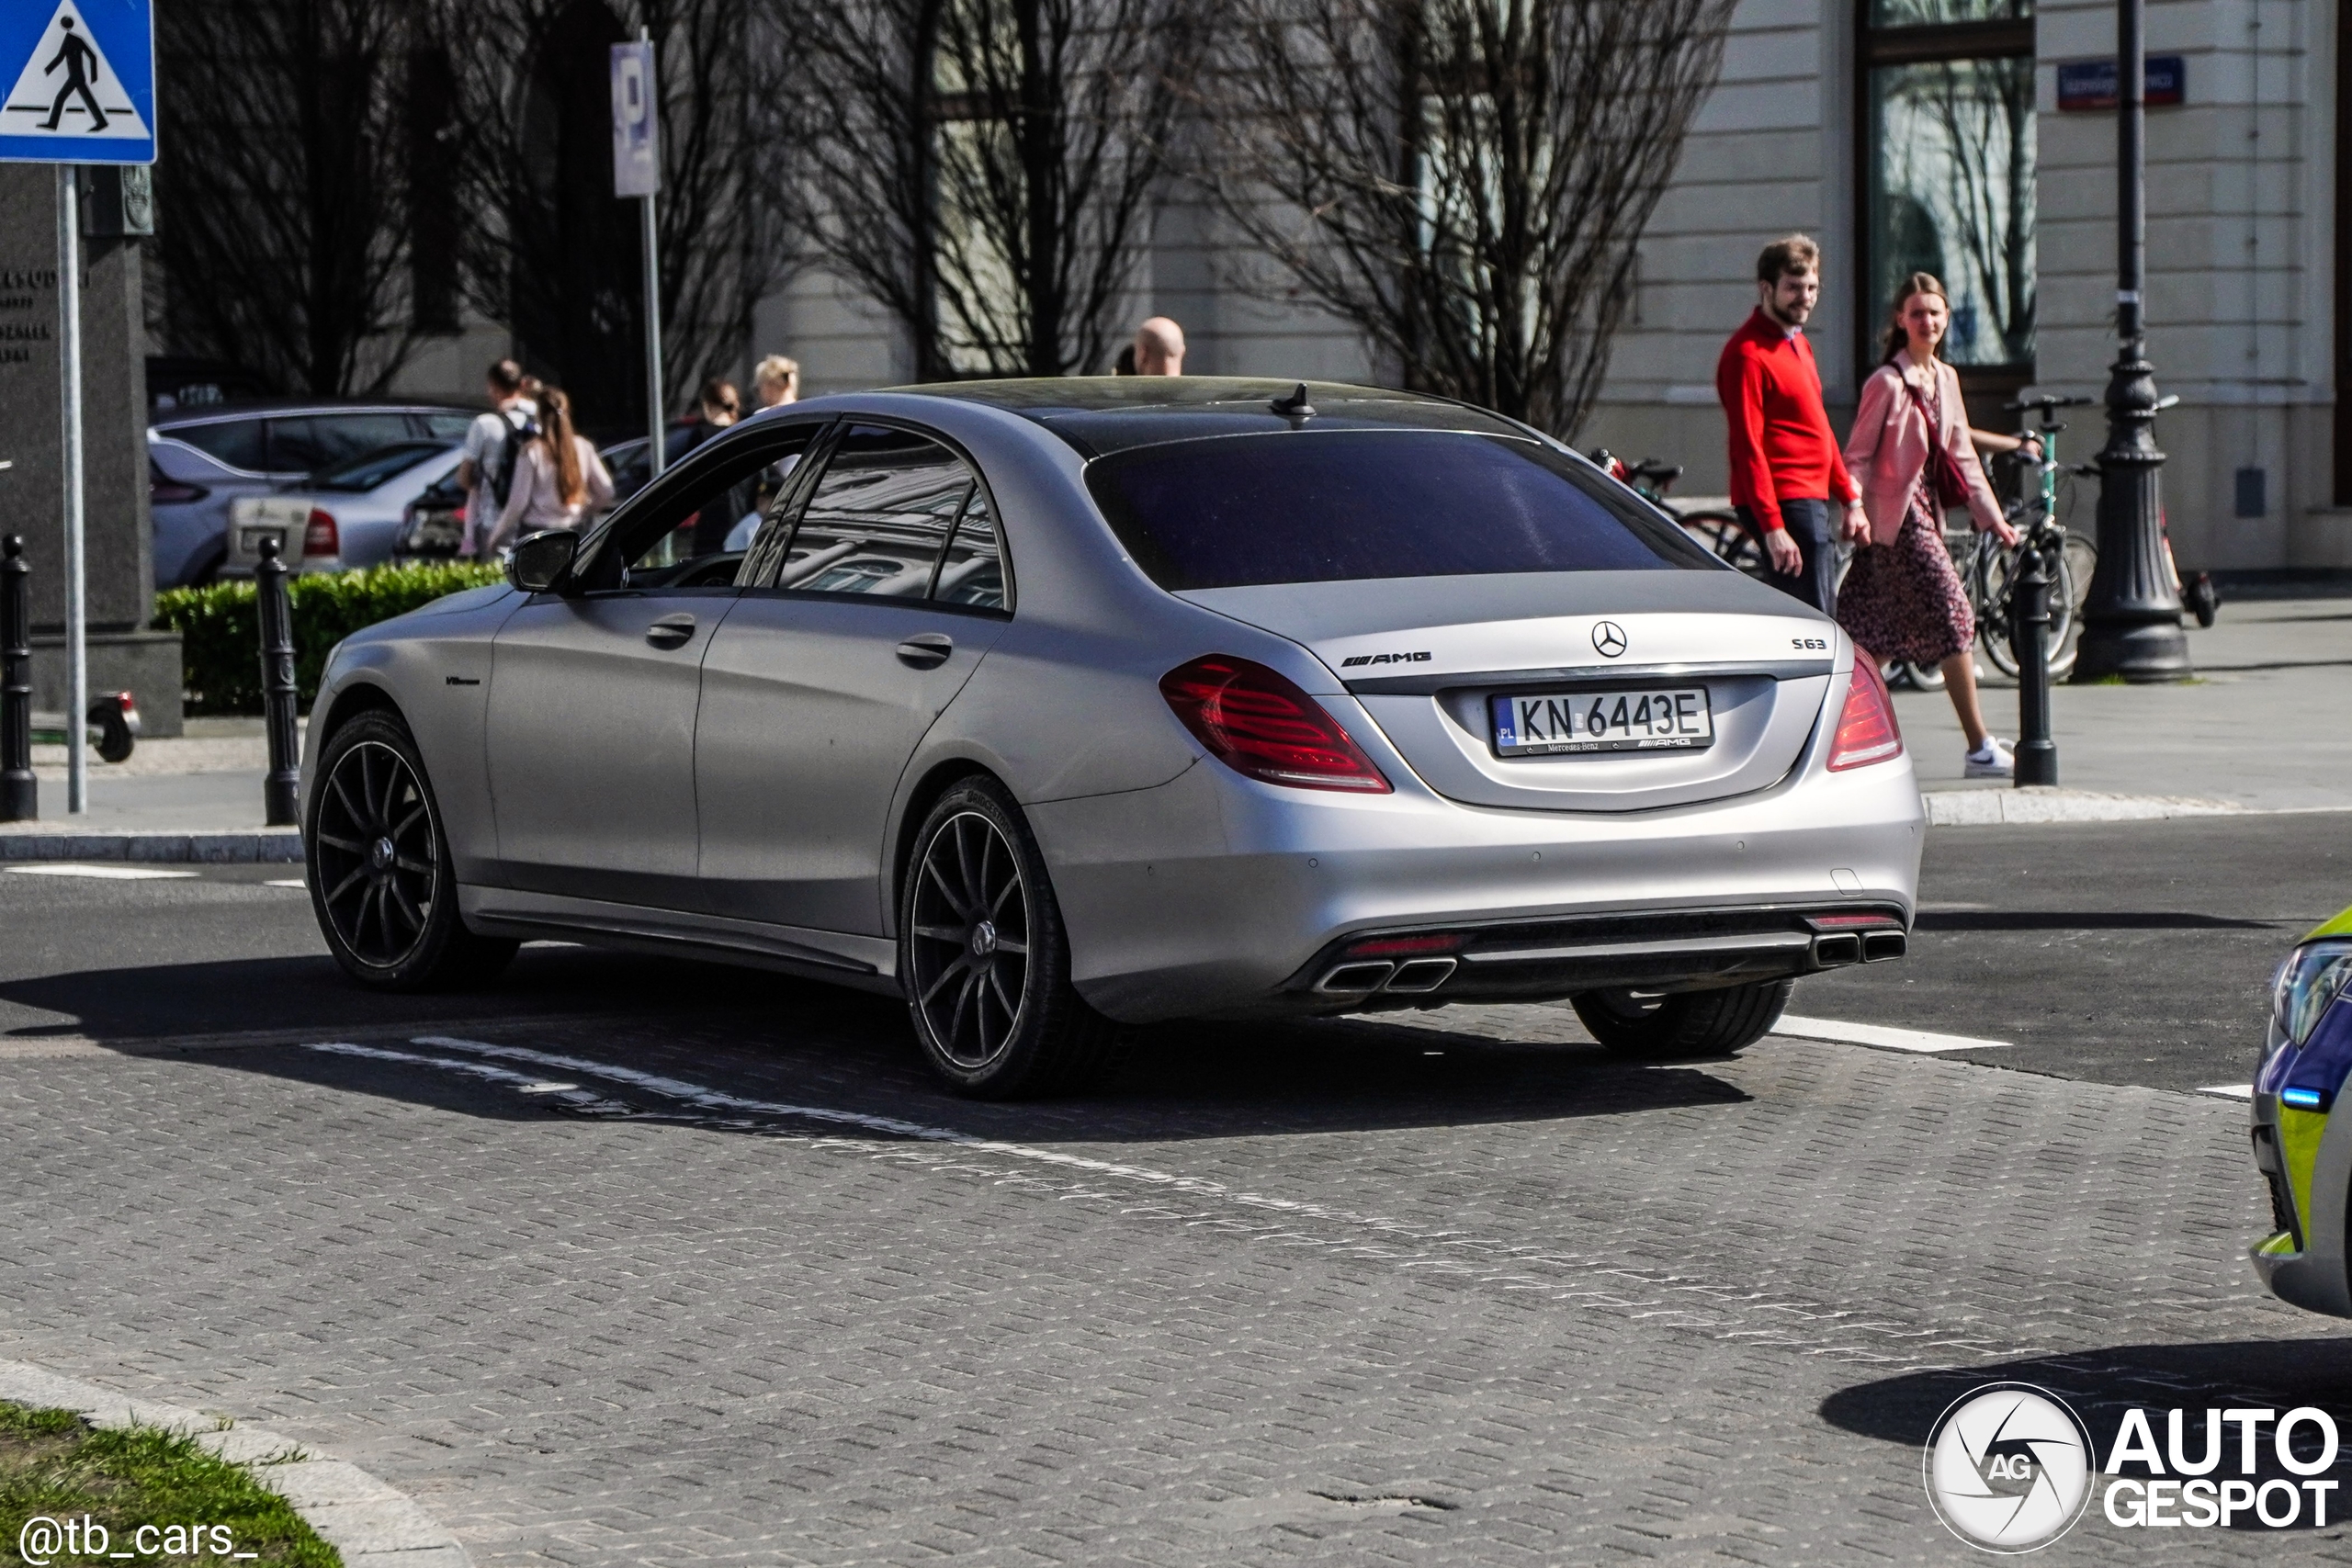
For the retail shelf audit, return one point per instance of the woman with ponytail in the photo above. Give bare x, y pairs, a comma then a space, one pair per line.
1911, 452
559, 481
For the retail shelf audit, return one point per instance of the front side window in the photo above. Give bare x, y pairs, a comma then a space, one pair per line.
1949, 169
657, 537
879, 517
1345, 505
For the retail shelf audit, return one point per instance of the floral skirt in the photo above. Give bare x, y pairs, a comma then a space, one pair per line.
1902, 601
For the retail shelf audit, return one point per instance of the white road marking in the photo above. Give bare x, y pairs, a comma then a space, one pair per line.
551, 944
105, 872
285, 881
524, 1083
1881, 1036
2230, 1090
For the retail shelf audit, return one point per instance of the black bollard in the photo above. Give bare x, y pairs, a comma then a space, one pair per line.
19, 791
281, 790
2037, 754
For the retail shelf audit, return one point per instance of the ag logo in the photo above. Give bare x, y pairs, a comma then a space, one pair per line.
2009, 1468
1609, 637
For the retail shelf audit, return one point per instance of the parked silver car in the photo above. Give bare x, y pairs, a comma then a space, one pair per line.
1056, 705
201, 461
345, 517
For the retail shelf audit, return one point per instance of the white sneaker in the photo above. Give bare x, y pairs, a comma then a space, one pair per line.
1992, 760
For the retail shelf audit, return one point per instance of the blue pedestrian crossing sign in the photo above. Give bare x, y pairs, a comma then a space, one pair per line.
82, 82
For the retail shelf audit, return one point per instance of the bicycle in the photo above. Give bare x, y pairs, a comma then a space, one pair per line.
1988, 571
1720, 531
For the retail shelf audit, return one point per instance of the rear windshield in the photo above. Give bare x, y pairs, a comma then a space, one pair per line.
1332, 506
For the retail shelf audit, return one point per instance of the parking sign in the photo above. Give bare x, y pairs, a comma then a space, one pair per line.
83, 79
637, 157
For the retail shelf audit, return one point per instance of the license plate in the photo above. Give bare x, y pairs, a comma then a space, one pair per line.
1543, 724
249, 540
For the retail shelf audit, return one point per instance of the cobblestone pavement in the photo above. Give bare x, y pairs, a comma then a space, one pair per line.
742, 1286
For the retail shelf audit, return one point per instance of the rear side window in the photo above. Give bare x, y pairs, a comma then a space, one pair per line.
879, 518
1343, 505
236, 442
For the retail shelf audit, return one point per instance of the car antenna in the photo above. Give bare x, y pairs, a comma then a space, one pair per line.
1295, 406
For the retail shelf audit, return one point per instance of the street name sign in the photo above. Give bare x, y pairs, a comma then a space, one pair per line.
82, 82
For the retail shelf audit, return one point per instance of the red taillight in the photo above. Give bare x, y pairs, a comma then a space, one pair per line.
1398, 946
1260, 724
1866, 729
321, 538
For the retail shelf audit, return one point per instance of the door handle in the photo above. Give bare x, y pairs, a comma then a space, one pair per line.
671, 631
926, 650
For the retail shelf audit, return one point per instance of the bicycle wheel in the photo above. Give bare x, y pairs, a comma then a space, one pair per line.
1993, 581
1724, 535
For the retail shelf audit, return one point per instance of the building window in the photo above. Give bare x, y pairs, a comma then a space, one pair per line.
1947, 147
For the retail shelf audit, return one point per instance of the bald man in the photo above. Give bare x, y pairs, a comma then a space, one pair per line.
1160, 348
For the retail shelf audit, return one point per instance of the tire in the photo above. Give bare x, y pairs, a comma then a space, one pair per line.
984, 957
1922, 677
382, 883
1999, 593
1687, 1023
1728, 537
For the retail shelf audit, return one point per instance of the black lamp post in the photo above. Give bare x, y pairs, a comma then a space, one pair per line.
2131, 623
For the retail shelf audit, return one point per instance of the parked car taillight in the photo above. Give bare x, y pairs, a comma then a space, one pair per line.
1260, 724
163, 492
321, 538
1866, 729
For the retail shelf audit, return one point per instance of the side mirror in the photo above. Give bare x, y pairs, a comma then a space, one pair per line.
540, 563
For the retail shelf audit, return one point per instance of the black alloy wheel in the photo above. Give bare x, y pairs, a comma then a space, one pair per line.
971, 939
379, 870
984, 958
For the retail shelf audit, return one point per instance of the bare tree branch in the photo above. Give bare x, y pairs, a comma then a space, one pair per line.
1463, 181
282, 189
558, 260
984, 169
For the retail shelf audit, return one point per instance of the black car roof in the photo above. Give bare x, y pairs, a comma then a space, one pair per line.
1101, 414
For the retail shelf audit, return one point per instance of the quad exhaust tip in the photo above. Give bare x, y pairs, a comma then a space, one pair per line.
1415, 976
1879, 946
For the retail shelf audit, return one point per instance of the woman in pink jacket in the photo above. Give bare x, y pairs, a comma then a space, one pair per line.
1901, 599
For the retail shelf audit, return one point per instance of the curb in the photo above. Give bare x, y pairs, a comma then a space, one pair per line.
245, 846
371, 1523
2041, 803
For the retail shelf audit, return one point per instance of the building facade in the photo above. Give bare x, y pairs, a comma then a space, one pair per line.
1964, 138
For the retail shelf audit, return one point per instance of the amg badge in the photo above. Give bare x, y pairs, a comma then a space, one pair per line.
1354, 659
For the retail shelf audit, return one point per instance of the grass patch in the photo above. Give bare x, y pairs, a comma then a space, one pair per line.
54, 1464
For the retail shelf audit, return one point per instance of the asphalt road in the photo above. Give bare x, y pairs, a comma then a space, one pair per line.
639, 1262
2125, 954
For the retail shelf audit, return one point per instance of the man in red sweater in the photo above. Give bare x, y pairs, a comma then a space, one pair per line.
1786, 468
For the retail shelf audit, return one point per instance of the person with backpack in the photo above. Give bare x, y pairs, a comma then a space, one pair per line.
492, 444
558, 482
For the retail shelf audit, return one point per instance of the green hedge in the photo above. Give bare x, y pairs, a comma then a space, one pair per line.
220, 625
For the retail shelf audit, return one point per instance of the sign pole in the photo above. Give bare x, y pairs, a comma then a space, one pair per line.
637, 172
69, 345
653, 411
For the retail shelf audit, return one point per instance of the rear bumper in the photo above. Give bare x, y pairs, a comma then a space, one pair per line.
1213, 896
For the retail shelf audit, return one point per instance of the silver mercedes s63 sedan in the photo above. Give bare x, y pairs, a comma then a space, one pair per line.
1054, 706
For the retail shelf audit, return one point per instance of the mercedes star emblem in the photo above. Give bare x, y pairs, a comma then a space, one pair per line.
1610, 638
